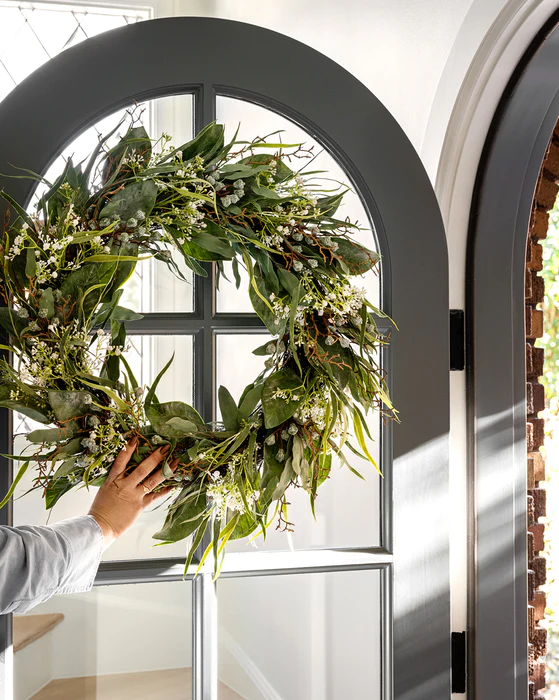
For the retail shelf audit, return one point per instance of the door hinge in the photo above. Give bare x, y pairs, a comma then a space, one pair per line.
457, 340
459, 662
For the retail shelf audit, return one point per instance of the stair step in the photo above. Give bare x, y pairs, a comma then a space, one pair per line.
29, 628
171, 684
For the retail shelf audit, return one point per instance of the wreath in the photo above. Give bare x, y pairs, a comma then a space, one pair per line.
62, 273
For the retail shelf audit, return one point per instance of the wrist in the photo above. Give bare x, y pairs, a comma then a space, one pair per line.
108, 533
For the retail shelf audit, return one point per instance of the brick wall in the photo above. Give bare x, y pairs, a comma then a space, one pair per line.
544, 200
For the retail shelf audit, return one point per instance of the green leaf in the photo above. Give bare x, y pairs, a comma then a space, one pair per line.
265, 192
286, 478
277, 410
31, 263
229, 410
120, 313
250, 401
262, 350
182, 425
292, 314
65, 468
183, 521
206, 144
288, 280
12, 488
160, 415
139, 195
28, 411
358, 259
214, 245
135, 144
55, 490
150, 396
49, 435
68, 405
46, 302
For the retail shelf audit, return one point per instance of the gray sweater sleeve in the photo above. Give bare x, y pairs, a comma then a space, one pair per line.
37, 562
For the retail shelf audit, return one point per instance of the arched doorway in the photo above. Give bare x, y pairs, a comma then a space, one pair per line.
114, 69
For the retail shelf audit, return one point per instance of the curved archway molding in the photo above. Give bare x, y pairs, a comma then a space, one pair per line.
111, 70
502, 204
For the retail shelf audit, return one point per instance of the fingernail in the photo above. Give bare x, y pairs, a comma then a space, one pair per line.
165, 449
133, 442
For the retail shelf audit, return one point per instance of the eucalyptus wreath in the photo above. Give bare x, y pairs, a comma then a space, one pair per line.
62, 272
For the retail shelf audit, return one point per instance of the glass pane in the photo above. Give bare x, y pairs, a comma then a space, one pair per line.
153, 287
114, 642
253, 121
236, 365
301, 637
147, 356
347, 509
38, 31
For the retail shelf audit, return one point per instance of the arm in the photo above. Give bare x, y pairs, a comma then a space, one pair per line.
37, 562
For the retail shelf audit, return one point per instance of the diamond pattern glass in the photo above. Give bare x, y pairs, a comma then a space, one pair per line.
32, 33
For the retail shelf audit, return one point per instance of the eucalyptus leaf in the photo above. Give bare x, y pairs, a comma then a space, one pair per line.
229, 411
160, 415
133, 197
277, 409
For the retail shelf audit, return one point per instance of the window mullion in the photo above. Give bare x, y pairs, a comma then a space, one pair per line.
204, 593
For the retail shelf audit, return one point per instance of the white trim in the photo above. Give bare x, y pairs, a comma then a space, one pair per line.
494, 61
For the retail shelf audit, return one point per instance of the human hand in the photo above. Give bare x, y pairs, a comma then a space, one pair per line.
121, 499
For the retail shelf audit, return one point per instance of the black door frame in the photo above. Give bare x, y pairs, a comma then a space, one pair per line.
500, 216
111, 70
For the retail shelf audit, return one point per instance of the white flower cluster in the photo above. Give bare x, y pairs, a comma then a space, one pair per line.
314, 408
224, 492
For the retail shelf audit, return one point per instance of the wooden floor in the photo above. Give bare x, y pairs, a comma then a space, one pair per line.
148, 685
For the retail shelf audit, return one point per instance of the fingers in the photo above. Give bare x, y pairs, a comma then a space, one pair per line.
158, 477
122, 459
151, 497
147, 466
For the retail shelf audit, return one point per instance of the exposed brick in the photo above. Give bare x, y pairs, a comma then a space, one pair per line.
539, 496
531, 623
530, 550
534, 288
531, 517
539, 605
540, 570
528, 286
539, 675
529, 437
538, 397
537, 360
546, 193
540, 641
551, 160
538, 434
537, 531
534, 322
534, 256
531, 586
539, 465
538, 289
531, 473
539, 223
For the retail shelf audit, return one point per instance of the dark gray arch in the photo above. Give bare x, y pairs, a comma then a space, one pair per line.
170, 56
503, 199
